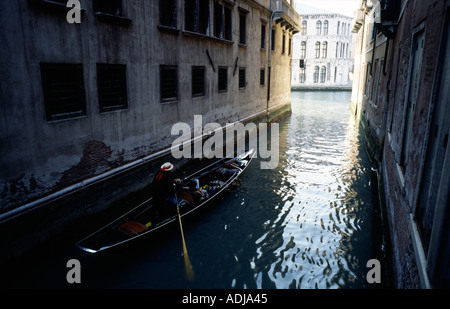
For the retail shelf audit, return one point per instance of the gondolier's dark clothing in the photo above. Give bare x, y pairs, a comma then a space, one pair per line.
162, 187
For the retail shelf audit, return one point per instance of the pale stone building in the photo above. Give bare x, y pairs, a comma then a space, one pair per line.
322, 54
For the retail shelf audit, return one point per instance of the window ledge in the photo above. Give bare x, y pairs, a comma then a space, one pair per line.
195, 34
225, 41
242, 45
169, 101
168, 29
114, 19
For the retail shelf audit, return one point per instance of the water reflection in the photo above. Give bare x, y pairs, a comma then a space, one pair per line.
321, 237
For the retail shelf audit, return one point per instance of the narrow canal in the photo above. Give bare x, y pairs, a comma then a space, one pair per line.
309, 223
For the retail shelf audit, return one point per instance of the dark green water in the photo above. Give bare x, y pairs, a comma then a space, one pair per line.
309, 223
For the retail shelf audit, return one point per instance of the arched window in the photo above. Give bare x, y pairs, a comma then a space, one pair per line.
302, 76
304, 27
318, 27
339, 24
323, 73
316, 74
325, 27
317, 55
324, 49
303, 50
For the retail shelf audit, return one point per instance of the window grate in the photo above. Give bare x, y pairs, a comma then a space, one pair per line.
112, 87
198, 81
63, 90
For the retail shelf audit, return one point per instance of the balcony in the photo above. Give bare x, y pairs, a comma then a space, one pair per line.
358, 20
390, 11
285, 14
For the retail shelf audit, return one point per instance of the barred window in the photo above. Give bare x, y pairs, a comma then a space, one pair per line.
169, 83
242, 80
223, 79
198, 81
63, 89
112, 87
262, 77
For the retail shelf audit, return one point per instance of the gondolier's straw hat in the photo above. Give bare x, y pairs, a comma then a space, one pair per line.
167, 167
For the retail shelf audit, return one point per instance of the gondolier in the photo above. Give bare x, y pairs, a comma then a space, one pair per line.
163, 185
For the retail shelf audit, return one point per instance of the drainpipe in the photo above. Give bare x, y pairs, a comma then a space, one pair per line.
270, 55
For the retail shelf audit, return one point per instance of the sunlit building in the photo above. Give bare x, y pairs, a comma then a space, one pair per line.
322, 54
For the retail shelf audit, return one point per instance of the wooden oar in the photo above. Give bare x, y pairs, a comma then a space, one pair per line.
187, 262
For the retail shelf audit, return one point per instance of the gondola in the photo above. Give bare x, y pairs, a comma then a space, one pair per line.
145, 218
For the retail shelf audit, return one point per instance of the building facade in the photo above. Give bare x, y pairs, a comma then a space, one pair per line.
87, 103
400, 94
322, 55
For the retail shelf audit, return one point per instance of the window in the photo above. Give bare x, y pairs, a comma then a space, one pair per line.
198, 81
63, 89
262, 77
316, 74
412, 94
339, 23
242, 26
222, 21
303, 50
263, 36
323, 73
197, 16
337, 49
223, 79
302, 76
242, 81
111, 7
169, 83
318, 27
283, 46
324, 49
112, 87
325, 27
317, 55
167, 13
304, 27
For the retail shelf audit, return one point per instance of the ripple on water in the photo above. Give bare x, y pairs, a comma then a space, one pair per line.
310, 243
